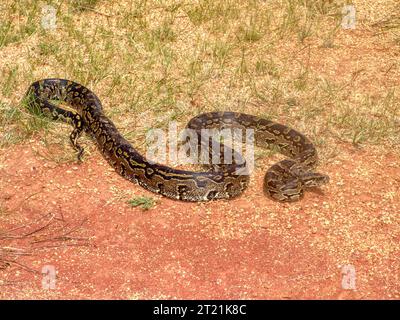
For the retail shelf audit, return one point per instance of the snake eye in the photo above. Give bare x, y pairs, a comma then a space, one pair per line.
182, 189
211, 194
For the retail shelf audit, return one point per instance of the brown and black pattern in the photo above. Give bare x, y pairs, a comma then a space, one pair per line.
284, 181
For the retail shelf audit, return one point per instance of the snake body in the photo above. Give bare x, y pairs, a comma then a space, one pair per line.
284, 181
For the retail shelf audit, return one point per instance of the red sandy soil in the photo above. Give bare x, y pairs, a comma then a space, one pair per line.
76, 218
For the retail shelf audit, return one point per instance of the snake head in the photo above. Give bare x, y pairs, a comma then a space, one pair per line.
293, 188
313, 179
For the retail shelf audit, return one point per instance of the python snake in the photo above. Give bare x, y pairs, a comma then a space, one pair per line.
284, 181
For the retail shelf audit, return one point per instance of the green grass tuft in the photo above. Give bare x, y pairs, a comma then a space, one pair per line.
144, 203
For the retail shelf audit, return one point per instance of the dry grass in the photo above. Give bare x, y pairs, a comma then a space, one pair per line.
156, 61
